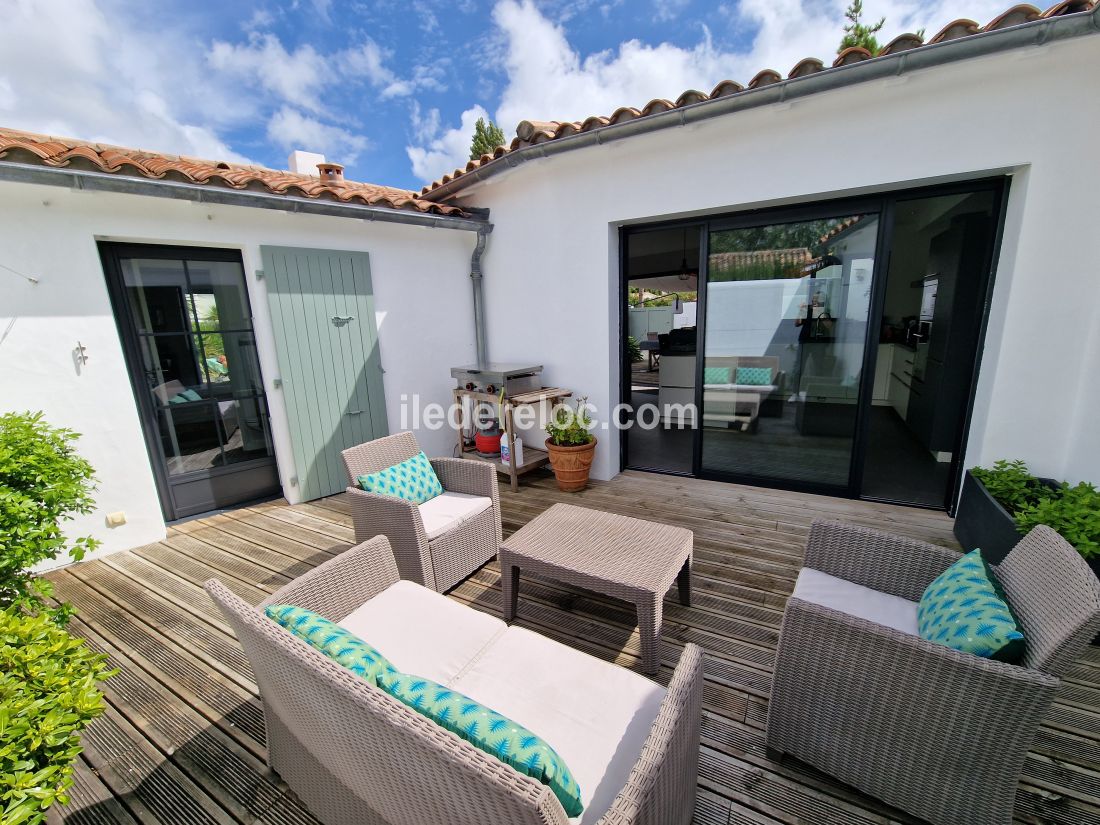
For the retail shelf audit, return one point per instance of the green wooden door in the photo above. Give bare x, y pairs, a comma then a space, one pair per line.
322, 309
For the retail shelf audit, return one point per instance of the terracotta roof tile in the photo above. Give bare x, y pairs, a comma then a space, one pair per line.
765, 77
901, 43
809, 65
530, 132
27, 147
852, 54
956, 29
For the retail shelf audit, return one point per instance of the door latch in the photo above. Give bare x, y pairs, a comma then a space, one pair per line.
340, 320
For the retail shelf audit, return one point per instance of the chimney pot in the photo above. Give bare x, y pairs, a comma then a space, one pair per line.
304, 163
331, 173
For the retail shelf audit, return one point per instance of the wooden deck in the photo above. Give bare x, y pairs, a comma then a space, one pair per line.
183, 739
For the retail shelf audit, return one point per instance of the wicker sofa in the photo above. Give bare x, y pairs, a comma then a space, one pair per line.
438, 543
936, 732
357, 756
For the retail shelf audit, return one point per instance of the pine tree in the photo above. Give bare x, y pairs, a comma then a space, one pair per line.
487, 137
857, 34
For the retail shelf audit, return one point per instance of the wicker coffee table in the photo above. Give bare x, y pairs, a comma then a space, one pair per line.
626, 558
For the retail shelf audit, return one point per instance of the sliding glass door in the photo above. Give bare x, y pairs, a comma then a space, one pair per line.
835, 346
787, 309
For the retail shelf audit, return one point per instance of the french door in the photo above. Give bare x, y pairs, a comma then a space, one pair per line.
185, 323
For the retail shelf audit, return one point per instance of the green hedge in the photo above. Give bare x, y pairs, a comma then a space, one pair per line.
43, 483
48, 694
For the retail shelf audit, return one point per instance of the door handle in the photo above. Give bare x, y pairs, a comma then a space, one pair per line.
340, 320
354, 412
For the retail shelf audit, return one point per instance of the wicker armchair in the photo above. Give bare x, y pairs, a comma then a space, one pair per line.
441, 562
357, 756
938, 733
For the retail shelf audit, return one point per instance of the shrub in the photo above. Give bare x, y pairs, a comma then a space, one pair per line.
1012, 485
48, 695
570, 427
43, 482
1073, 511
633, 349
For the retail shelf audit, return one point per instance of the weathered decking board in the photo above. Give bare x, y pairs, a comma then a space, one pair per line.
183, 741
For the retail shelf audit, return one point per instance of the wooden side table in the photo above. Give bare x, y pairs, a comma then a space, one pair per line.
533, 457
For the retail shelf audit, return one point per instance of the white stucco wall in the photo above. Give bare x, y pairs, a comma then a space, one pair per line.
422, 298
551, 268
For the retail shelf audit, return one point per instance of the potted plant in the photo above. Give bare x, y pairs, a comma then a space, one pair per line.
990, 500
1075, 513
571, 445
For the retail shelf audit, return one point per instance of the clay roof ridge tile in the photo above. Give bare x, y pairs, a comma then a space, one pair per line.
901, 43
805, 66
765, 77
963, 27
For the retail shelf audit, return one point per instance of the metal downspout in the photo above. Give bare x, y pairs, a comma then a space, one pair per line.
479, 298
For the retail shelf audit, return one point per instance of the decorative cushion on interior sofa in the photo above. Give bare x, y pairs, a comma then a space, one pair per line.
340, 645
965, 608
491, 732
753, 376
716, 375
413, 480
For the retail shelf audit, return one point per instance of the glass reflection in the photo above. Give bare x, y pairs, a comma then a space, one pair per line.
786, 324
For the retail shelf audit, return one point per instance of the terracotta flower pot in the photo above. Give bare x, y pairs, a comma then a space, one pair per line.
571, 464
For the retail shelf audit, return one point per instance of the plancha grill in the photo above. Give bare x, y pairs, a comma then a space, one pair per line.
490, 378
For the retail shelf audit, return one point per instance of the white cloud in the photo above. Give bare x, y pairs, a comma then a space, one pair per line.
429, 23
291, 129
88, 69
665, 10
548, 79
296, 77
445, 151
425, 126
73, 70
7, 95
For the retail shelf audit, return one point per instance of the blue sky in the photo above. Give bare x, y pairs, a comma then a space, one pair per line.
389, 88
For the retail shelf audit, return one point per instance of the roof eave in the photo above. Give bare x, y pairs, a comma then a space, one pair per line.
1034, 33
203, 193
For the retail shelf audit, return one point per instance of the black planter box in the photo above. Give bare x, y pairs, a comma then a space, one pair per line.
981, 522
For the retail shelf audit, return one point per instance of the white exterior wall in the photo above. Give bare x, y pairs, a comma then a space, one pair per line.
423, 303
551, 268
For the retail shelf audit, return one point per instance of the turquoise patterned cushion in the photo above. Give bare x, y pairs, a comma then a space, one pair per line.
487, 730
716, 375
413, 480
966, 609
338, 644
754, 376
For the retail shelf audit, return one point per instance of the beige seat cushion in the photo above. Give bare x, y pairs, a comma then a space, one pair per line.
856, 600
448, 510
422, 632
595, 715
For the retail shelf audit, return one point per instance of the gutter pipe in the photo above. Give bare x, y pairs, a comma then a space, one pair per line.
479, 298
1034, 33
